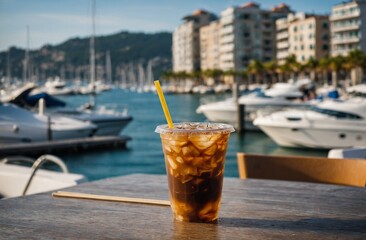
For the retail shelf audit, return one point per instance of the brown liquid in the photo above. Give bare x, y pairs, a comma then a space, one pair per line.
195, 174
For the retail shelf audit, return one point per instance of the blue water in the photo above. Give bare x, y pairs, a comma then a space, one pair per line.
144, 153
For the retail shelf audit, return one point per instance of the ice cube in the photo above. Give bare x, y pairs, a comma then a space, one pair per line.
216, 137
190, 151
208, 210
171, 162
199, 137
211, 150
166, 148
202, 145
179, 159
176, 149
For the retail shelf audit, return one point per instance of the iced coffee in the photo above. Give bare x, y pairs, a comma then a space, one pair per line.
195, 156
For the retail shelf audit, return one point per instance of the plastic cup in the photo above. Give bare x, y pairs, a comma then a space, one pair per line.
195, 158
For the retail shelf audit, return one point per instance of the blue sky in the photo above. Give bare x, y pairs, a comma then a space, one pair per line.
54, 21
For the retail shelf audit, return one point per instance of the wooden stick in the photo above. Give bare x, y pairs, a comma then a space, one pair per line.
110, 198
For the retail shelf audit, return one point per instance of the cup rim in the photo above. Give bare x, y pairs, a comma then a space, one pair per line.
224, 128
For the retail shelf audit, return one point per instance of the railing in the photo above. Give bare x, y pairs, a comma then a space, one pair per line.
36, 165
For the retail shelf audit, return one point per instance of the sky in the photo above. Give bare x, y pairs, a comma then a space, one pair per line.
55, 21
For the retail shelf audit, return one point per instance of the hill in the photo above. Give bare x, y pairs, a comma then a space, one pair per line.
71, 58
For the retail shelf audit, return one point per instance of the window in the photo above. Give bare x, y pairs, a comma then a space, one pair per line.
336, 114
325, 47
310, 26
302, 47
311, 36
311, 46
325, 37
246, 16
295, 29
325, 25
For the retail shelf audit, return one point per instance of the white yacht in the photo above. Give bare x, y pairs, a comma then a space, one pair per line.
109, 121
18, 180
273, 99
57, 87
329, 124
20, 125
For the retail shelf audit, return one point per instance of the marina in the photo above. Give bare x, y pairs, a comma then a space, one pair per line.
145, 121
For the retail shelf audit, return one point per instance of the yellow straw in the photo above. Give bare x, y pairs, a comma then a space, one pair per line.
163, 104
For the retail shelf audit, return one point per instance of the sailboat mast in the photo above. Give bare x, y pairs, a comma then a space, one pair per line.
26, 69
108, 68
92, 47
8, 69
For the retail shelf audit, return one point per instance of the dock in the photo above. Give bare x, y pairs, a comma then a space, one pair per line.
70, 145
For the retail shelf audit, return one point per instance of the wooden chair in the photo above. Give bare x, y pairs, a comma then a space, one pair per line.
351, 172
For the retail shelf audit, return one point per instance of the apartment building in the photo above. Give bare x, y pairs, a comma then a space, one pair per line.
347, 28
248, 32
186, 43
209, 46
304, 35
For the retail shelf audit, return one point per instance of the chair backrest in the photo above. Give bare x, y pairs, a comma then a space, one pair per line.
351, 172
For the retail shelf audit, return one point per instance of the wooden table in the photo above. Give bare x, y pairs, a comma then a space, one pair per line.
251, 209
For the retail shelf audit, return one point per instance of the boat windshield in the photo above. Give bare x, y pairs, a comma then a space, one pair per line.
334, 113
262, 95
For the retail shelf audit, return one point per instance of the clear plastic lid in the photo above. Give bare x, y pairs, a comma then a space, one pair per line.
195, 128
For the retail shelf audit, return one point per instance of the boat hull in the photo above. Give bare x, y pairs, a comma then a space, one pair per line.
316, 138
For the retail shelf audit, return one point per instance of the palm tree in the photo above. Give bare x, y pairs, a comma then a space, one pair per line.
336, 65
324, 68
356, 59
255, 67
311, 65
293, 65
231, 73
270, 68
244, 77
282, 71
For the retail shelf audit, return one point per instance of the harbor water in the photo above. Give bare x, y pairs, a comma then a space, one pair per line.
144, 153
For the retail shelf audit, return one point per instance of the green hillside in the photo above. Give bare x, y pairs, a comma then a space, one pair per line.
71, 58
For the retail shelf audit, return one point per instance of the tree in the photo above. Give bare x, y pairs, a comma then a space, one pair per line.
336, 65
356, 59
255, 67
270, 68
293, 65
324, 68
311, 65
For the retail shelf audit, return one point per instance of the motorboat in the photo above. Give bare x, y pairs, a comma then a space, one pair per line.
19, 180
357, 90
107, 119
355, 152
21, 125
329, 124
57, 87
266, 101
54, 87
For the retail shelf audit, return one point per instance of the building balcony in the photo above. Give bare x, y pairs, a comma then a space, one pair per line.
227, 20
283, 35
346, 40
227, 39
345, 28
342, 52
344, 16
282, 45
227, 48
226, 57
282, 55
227, 29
